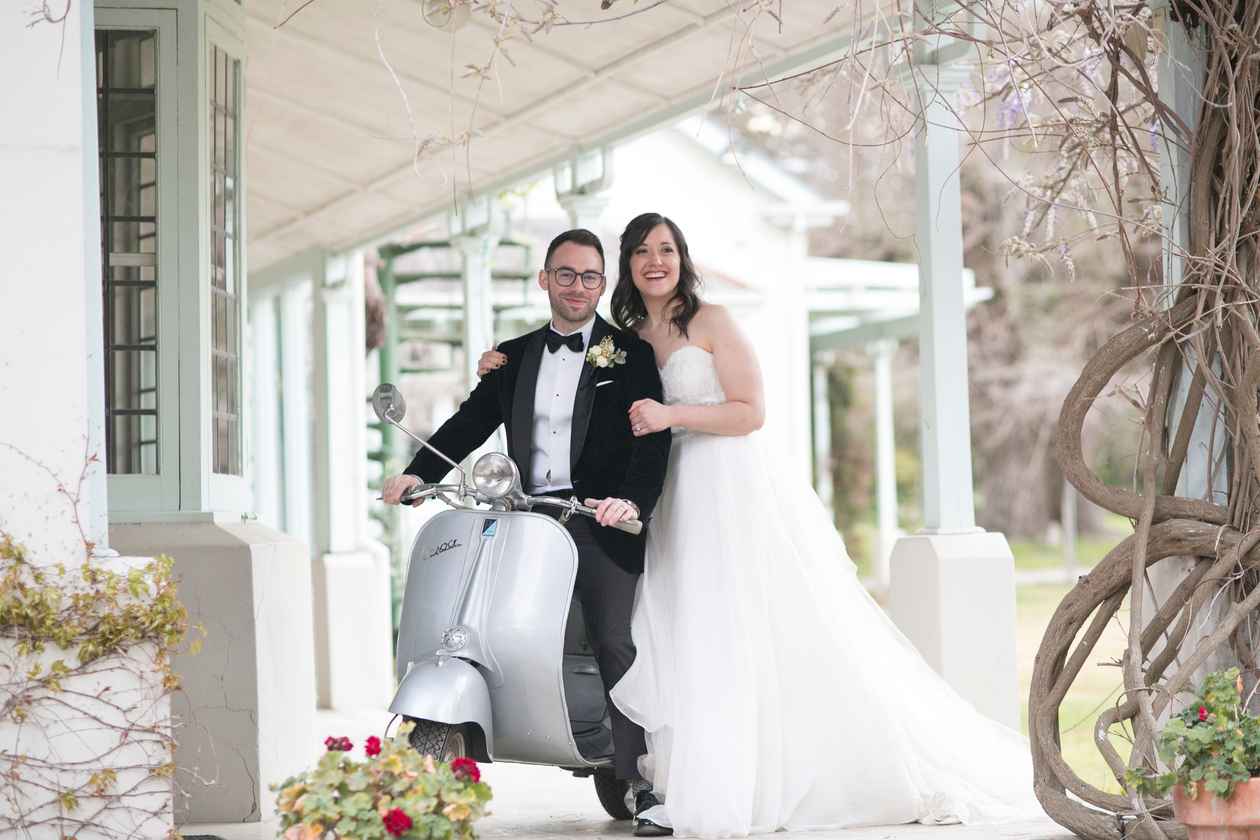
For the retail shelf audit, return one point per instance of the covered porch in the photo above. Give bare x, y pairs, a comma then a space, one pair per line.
253, 174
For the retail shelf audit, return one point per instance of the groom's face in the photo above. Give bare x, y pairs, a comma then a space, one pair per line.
572, 305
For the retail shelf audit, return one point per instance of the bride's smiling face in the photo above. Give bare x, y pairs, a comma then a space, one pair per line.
655, 262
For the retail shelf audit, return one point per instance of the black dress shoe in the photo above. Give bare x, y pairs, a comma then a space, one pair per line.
644, 800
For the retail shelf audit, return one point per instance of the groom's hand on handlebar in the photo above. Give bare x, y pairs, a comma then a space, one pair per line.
395, 486
610, 511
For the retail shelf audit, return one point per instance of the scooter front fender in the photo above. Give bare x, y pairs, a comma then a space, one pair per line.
446, 689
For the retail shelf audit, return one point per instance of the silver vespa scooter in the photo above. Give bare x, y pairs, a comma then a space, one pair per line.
492, 657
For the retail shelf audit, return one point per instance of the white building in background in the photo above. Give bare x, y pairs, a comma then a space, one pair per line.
188, 187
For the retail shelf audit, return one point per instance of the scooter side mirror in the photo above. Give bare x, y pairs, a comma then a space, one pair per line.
388, 403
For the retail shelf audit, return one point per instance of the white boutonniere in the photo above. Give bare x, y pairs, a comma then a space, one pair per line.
605, 354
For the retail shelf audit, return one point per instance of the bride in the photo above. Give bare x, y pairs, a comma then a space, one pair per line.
775, 693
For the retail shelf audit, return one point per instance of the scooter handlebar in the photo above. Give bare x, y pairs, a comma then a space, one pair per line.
630, 526
424, 491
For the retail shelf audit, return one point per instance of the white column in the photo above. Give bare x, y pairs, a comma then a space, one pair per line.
265, 447
1070, 530
822, 433
295, 325
351, 576
584, 197
585, 208
1205, 474
952, 585
1181, 70
945, 415
885, 456
53, 495
51, 342
477, 247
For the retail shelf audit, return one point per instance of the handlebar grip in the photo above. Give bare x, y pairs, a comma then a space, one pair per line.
630, 526
411, 494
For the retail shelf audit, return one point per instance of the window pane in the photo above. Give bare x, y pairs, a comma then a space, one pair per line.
127, 126
135, 449
127, 59
132, 186
130, 121
224, 82
134, 315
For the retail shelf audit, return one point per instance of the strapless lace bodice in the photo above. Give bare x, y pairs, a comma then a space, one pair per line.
690, 377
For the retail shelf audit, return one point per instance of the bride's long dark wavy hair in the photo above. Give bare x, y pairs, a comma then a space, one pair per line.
628, 308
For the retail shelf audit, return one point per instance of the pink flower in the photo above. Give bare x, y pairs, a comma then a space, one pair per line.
1203, 713
396, 822
466, 768
341, 744
372, 746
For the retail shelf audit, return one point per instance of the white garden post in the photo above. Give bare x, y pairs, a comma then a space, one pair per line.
351, 575
885, 456
1205, 473
477, 247
952, 585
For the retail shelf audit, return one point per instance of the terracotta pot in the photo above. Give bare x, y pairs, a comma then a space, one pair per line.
1208, 817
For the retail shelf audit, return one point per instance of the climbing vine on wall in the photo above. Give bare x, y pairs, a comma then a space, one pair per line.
85, 683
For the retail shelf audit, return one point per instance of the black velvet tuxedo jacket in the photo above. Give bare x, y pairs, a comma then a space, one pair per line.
606, 459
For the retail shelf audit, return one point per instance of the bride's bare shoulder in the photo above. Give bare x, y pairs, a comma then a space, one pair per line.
711, 324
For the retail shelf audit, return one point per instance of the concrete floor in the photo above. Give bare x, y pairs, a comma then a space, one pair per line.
543, 803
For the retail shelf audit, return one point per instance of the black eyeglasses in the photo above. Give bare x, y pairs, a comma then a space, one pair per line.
567, 277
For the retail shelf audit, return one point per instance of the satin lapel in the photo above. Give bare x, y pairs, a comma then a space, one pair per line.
584, 399
520, 448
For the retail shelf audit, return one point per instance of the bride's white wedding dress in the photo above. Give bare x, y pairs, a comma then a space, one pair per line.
774, 691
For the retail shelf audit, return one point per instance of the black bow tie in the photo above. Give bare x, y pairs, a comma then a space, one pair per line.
574, 341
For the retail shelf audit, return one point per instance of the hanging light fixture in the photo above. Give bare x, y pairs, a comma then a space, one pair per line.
447, 15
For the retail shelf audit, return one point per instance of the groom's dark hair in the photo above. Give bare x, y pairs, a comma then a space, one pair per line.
579, 236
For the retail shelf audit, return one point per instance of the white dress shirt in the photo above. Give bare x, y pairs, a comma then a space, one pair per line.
558, 376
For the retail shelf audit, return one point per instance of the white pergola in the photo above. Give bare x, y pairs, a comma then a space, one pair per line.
329, 168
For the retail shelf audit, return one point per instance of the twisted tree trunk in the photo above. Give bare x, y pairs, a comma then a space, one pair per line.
1210, 335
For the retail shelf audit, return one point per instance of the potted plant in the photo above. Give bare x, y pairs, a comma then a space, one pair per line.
1212, 750
394, 793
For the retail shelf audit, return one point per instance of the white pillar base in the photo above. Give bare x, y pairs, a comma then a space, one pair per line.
353, 611
247, 708
953, 595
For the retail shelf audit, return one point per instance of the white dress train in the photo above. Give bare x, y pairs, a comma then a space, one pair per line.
774, 691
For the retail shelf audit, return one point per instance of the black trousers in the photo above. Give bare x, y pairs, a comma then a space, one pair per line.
606, 593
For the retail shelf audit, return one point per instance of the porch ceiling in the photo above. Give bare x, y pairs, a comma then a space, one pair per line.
330, 144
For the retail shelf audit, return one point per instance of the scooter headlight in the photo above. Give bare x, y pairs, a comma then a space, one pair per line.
494, 475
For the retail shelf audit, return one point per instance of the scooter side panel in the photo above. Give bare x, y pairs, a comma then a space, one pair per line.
517, 610
441, 555
536, 566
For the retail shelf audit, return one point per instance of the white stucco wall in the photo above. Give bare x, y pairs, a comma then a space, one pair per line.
52, 495
51, 255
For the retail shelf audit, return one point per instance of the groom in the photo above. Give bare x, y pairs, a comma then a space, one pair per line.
568, 430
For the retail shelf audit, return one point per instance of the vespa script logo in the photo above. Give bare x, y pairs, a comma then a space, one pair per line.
445, 547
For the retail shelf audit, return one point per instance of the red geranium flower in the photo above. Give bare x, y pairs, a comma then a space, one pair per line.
466, 767
397, 822
373, 746
1203, 713
341, 744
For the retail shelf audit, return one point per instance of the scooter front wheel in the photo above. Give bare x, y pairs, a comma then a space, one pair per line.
612, 794
443, 741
